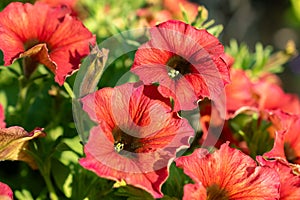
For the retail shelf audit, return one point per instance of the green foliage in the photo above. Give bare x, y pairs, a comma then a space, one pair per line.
173, 187
263, 60
1, 58
202, 22
249, 127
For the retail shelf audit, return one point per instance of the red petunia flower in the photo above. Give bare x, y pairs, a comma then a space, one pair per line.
185, 60
287, 140
137, 136
5, 192
239, 92
39, 33
264, 93
229, 174
289, 181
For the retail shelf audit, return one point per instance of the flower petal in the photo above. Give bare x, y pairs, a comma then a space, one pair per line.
2, 117
232, 171
105, 162
13, 142
5, 192
289, 182
194, 192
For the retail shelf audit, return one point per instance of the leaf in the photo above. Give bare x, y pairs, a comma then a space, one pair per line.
254, 131
86, 184
60, 173
201, 17
1, 58
173, 187
133, 193
262, 60
184, 14
82, 121
216, 30
23, 195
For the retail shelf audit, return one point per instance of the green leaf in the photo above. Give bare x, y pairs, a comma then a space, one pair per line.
23, 195
86, 184
254, 131
184, 14
201, 17
216, 30
133, 193
60, 173
173, 187
1, 58
262, 60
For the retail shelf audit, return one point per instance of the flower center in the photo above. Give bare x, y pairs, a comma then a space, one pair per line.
214, 192
30, 43
178, 66
123, 142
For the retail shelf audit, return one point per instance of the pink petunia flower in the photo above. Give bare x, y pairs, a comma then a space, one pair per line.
228, 174
185, 61
5, 192
137, 136
41, 34
289, 181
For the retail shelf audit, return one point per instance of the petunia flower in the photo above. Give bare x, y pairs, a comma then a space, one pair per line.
185, 60
150, 17
239, 92
14, 142
287, 140
265, 93
228, 174
289, 181
175, 8
136, 137
5, 192
41, 34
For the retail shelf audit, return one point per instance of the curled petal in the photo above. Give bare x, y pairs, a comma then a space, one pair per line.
14, 141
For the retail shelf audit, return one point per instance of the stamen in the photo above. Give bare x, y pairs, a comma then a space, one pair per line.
173, 73
119, 147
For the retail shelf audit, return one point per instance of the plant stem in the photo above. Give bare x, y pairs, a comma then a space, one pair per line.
50, 187
69, 90
45, 171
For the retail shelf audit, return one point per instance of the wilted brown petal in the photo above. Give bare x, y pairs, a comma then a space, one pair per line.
14, 142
